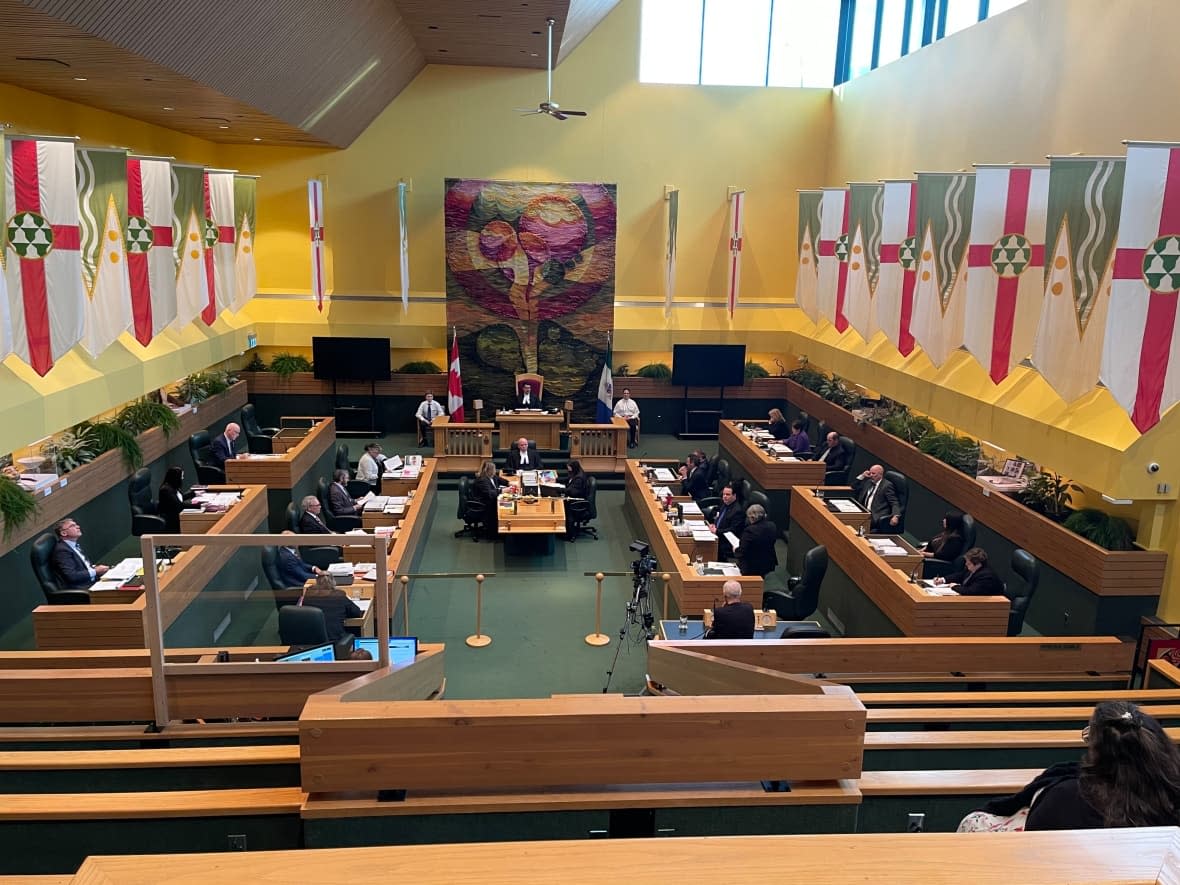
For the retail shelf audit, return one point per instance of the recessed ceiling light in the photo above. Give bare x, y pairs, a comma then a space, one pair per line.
432, 27
80, 79
534, 54
256, 138
168, 108
442, 50
223, 126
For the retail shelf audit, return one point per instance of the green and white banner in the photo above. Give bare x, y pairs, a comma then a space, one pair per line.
188, 213
102, 215
807, 273
245, 274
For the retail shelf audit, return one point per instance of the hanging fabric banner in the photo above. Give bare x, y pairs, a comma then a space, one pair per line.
102, 211
151, 267
1140, 358
807, 272
455, 383
737, 208
188, 232
315, 213
245, 271
672, 198
47, 303
6, 258
403, 244
864, 258
944, 216
219, 243
833, 256
1005, 261
899, 262
1082, 226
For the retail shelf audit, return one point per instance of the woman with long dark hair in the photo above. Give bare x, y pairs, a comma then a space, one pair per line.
172, 499
947, 544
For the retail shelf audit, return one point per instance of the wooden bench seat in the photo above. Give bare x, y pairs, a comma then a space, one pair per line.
1014, 698
170, 803
964, 781
153, 757
140, 733
967, 715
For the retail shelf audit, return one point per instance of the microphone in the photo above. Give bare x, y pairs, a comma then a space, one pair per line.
914, 573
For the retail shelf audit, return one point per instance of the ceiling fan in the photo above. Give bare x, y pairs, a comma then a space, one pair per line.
549, 106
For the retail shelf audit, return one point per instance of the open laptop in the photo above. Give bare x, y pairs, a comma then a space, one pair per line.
323, 652
402, 649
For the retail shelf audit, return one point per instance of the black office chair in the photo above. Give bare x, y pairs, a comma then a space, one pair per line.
144, 518
722, 476
318, 555
41, 556
294, 514
711, 470
940, 568
840, 477
1028, 570
207, 472
901, 485
473, 513
804, 631
758, 497
302, 625
331, 520
342, 458
258, 439
283, 595
801, 597
584, 511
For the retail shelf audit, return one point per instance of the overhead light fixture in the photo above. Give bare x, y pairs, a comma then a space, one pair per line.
168, 108
80, 79
256, 138
1109, 500
223, 126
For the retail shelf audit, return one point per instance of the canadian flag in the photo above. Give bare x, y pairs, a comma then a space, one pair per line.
455, 384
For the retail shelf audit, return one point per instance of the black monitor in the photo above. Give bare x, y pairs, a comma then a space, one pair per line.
350, 359
709, 365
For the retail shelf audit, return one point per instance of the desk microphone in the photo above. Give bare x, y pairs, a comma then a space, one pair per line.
914, 573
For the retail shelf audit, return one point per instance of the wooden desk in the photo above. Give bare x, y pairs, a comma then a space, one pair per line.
202, 522
461, 448
290, 475
774, 477
858, 520
544, 516
904, 607
693, 593
907, 562
287, 438
541, 427
371, 519
602, 448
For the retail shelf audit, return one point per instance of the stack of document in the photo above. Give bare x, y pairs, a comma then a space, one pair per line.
663, 474
702, 534
885, 547
376, 503
340, 569
728, 569
396, 504
690, 509
844, 505
661, 492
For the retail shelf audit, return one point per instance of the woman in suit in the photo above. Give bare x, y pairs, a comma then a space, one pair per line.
977, 577
798, 442
576, 486
778, 425
947, 544
172, 498
755, 552
333, 602
486, 490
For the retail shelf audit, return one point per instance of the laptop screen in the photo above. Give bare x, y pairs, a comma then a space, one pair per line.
319, 653
402, 649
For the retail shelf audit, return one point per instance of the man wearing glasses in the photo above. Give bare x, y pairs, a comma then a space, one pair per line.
70, 563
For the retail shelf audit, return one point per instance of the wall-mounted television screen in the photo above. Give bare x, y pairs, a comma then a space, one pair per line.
709, 365
351, 359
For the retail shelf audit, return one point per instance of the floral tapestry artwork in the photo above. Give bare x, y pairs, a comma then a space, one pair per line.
530, 286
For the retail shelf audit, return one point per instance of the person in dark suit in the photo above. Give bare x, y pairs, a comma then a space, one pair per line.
333, 602
486, 490
879, 497
293, 571
734, 619
755, 552
69, 563
977, 578
529, 398
778, 425
222, 447
833, 454
171, 499
947, 544
694, 477
577, 485
311, 523
730, 517
520, 458
339, 501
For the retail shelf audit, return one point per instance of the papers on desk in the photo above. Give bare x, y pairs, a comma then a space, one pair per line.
216, 500
394, 463
728, 569
703, 535
780, 449
548, 477
407, 472
886, 547
376, 503
528, 478
844, 505
118, 575
663, 474
691, 508
661, 492
932, 589
363, 604
254, 456
341, 569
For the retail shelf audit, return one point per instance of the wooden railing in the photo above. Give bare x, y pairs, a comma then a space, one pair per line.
601, 448
461, 447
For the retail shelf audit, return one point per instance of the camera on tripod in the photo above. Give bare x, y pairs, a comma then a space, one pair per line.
646, 563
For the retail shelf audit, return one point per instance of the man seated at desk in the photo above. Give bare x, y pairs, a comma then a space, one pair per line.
222, 447
734, 619
69, 563
528, 398
310, 523
428, 410
293, 571
340, 502
730, 517
520, 458
879, 497
977, 577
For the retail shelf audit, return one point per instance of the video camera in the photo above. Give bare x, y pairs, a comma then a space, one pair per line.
646, 563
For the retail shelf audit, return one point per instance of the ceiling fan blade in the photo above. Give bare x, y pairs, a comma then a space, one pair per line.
560, 115
574, 113
527, 111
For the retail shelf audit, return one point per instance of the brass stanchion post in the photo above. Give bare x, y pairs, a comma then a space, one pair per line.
597, 637
667, 579
405, 605
478, 640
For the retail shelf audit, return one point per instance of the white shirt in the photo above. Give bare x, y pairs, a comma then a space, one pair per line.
526, 400
429, 410
626, 408
524, 458
872, 494
366, 469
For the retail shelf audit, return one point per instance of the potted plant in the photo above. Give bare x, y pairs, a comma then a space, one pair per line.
287, 364
109, 435
199, 386
899, 421
71, 449
806, 376
835, 391
659, 371
17, 504
420, 367
145, 413
753, 370
1049, 494
1108, 532
959, 452
256, 364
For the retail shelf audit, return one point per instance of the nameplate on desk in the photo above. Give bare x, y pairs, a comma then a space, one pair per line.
1060, 646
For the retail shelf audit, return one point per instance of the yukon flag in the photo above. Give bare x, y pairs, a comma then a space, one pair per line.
864, 258
188, 213
102, 206
1083, 227
737, 211
899, 263
150, 263
944, 215
672, 198
833, 256
245, 274
46, 301
219, 243
807, 273
1141, 354
455, 384
1006, 260
606, 389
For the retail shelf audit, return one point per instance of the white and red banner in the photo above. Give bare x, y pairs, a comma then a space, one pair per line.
944, 222
455, 384
219, 243
1140, 358
899, 263
150, 262
833, 256
737, 208
315, 213
807, 272
864, 257
47, 303
1005, 261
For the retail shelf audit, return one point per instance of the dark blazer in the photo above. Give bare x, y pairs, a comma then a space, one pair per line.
729, 519
169, 503
982, 582
69, 568
534, 402
755, 553
734, 620
779, 429
885, 503
293, 571
834, 459
513, 461
486, 492
339, 501
310, 524
221, 450
578, 487
696, 483
947, 547
336, 606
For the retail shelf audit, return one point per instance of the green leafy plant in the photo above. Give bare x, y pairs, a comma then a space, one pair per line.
1103, 529
904, 424
72, 448
836, 391
420, 367
959, 452
622, 371
143, 414
1048, 493
256, 364
199, 386
660, 371
111, 436
17, 504
753, 370
287, 364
